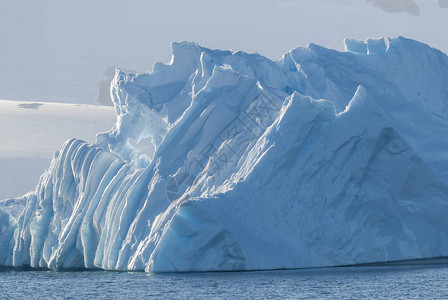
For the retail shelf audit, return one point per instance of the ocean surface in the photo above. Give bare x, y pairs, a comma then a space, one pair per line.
372, 282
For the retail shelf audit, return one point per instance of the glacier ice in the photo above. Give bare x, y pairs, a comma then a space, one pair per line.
322, 158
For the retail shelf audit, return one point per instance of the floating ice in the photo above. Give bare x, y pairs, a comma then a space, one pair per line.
252, 169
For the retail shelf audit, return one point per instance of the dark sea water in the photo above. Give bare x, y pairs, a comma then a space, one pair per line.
381, 282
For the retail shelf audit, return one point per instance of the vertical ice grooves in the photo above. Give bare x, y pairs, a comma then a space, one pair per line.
321, 158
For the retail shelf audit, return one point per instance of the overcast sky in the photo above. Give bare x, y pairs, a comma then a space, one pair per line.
58, 50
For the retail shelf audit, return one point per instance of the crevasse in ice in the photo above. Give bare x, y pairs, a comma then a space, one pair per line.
321, 158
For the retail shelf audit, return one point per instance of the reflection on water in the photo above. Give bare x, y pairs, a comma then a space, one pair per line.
408, 6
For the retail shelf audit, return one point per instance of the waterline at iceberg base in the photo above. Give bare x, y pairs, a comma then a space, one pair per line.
225, 160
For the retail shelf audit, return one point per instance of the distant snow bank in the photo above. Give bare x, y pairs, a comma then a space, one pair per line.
321, 158
32, 131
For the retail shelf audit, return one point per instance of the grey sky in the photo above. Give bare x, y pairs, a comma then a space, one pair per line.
59, 50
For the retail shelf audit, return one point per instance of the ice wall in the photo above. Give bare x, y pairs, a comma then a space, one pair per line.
250, 171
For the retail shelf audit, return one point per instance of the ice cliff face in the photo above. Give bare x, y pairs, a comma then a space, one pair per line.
250, 171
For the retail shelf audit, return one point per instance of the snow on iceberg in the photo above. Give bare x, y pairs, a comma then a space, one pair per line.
321, 158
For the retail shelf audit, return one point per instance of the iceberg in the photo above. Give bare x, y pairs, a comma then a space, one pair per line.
321, 158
